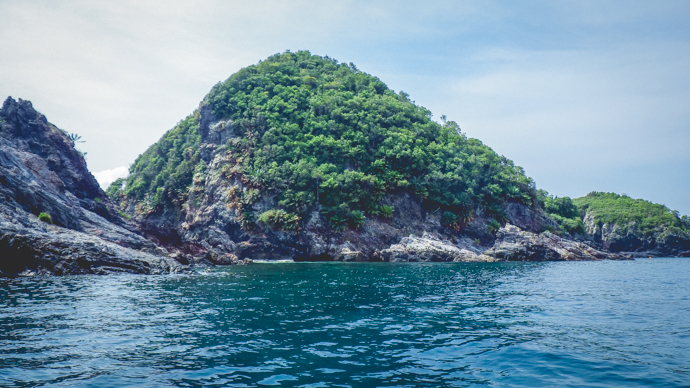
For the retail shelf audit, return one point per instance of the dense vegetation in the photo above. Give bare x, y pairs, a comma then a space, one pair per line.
162, 175
564, 211
319, 134
649, 218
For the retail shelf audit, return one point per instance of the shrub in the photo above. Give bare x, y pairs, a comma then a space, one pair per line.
450, 220
123, 214
280, 219
493, 226
387, 211
357, 219
45, 217
338, 223
247, 220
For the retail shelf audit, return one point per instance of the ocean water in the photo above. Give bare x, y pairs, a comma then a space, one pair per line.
565, 324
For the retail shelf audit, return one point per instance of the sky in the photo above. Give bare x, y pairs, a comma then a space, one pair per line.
585, 95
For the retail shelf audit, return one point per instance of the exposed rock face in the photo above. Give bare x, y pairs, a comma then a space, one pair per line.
428, 248
515, 244
628, 238
41, 171
209, 223
41, 249
512, 244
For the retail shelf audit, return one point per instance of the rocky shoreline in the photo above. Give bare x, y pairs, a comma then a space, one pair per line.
41, 171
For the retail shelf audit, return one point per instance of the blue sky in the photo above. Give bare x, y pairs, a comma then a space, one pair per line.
584, 95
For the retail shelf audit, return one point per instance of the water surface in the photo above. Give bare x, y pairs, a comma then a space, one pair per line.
586, 324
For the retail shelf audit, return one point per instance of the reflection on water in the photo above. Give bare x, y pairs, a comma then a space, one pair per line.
353, 325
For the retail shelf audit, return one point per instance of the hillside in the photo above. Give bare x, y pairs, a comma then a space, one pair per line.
317, 133
624, 224
306, 158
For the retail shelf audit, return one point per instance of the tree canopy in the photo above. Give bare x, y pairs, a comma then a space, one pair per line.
648, 217
318, 134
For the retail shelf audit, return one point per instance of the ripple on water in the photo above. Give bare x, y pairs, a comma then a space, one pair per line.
377, 324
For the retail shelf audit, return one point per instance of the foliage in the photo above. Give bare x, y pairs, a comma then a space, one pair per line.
648, 217
493, 226
685, 221
45, 217
280, 219
162, 175
387, 211
247, 220
115, 188
450, 220
357, 219
563, 211
123, 214
74, 138
318, 134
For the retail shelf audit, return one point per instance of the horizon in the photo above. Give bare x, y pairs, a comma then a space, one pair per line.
585, 97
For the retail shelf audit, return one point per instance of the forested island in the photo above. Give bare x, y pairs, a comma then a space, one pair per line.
300, 157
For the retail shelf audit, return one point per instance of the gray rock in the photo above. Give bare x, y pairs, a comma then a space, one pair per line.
626, 237
42, 249
515, 244
41, 171
428, 248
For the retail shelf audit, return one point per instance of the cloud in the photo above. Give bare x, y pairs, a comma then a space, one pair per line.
571, 92
106, 177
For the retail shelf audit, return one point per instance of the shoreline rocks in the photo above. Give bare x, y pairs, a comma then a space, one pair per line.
512, 244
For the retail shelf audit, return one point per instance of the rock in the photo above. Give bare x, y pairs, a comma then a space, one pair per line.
515, 244
53, 250
627, 238
41, 171
427, 248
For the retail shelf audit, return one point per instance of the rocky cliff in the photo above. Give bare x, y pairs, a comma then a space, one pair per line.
618, 223
42, 172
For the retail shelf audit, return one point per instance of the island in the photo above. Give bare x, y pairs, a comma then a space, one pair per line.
304, 158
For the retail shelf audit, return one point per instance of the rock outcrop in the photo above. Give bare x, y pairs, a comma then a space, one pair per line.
429, 248
42, 172
209, 225
512, 244
515, 244
628, 238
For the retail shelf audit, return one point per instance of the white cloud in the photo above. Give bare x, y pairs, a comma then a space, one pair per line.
106, 177
571, 92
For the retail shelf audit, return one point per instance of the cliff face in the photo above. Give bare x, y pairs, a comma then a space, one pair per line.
42, 172
211, 221
619, 223
628, 237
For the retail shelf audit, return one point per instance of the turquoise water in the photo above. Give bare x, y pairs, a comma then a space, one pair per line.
587, 324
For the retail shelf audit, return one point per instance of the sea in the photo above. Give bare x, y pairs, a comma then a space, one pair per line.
514, 324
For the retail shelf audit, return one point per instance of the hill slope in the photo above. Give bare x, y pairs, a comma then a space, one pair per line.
303, 157
624, 224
